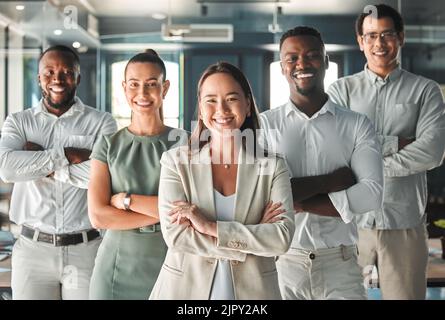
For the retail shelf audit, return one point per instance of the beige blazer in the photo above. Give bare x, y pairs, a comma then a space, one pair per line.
190, 264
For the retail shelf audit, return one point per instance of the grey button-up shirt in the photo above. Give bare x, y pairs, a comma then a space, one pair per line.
58, 203
401, 105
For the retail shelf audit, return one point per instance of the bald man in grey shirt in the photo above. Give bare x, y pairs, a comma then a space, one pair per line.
408, 113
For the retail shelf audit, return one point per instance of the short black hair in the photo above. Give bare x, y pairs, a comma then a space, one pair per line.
383, 10
301, 31
149, 56
64, 49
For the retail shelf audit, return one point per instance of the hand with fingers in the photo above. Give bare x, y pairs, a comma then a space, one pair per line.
403, 142
117, 200
271, 212
184, 212
31, 146
341, 179
77, 155
298, 207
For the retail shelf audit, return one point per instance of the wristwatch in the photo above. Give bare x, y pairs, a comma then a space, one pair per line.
127, 200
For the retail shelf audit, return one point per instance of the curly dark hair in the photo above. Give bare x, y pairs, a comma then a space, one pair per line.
301, 31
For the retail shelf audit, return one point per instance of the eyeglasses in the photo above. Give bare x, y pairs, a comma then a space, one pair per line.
371, 37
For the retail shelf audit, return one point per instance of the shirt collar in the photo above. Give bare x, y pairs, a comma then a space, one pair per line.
392, 76
77, 106
289, 107
329, 106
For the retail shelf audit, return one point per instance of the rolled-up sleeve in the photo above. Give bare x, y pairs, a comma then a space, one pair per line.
78, 175
17, 165
390, 144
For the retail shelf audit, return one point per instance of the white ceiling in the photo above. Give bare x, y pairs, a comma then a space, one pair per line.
425, 11
414, 11
233, 8
217, 8
40, 18
191, 8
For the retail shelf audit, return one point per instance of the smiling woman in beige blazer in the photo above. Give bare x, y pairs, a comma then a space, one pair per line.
225, 212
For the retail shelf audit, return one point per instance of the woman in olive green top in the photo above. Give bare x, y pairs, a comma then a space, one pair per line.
124, 179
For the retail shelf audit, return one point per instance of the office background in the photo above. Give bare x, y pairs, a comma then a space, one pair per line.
191, 34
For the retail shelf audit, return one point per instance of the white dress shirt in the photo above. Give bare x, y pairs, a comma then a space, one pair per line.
406, 105
56, 204
332, 138
222, 286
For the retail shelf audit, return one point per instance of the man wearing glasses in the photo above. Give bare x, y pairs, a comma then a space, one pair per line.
408, 113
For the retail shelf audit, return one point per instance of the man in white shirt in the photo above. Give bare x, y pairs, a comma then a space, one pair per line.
407, 111
336, 167
45, 152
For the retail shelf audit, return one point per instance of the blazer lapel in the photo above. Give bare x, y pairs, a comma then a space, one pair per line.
246, 182
202, 181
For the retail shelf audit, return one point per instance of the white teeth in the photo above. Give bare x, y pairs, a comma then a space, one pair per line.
57, 89
304, 75
143, 104
380, 53
223, 121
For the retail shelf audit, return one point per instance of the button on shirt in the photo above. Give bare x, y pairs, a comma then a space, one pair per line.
56, 204
401, 105
332, 138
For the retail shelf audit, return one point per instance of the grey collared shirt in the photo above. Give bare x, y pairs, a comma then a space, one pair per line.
401, 105
58, 203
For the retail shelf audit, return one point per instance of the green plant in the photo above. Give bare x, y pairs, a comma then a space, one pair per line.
440, 223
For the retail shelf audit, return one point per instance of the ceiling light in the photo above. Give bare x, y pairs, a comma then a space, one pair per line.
20, 7
82, 49
58, 32
76, 44
159, 16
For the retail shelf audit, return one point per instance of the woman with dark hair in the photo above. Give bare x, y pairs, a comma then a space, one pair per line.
124, 179
225, 211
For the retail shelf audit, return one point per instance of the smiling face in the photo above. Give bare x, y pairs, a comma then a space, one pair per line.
223, 106
381, 54
144, 87
303, 63
58, 79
